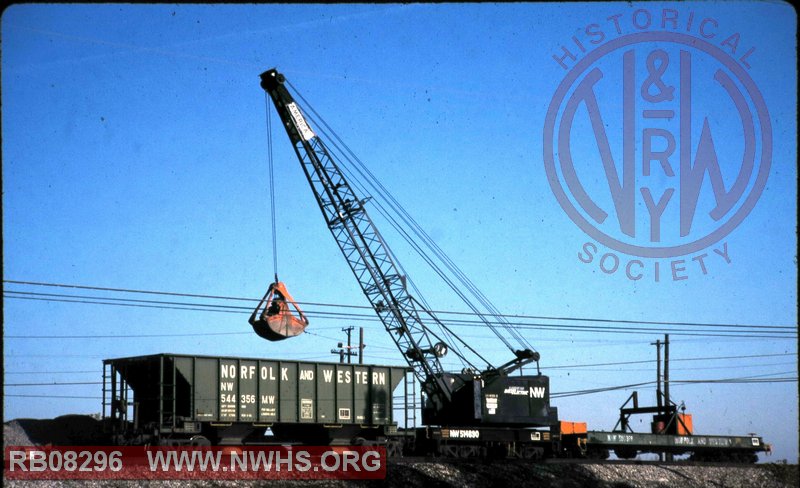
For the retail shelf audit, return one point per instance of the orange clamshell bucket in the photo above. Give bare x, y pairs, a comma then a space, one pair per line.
273, 318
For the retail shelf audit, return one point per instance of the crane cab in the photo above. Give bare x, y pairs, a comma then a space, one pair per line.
495, 400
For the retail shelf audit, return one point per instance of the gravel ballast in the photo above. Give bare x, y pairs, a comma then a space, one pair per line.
85, 430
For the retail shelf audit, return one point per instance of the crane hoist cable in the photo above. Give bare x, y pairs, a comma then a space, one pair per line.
277, 315
271, 164
347, 155
452, 339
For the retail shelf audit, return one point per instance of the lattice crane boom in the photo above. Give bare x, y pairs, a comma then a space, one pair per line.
362, 245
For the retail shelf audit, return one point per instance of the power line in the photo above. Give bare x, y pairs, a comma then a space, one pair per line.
125, 336
371, 318
598, 390
734, 381
744, 380
82, 356
650, 361
120, 304
125, 290
739, 357
571, 366
750, 379
513, 316
51, 372
79, 397
736, 366
759, 378
702, 368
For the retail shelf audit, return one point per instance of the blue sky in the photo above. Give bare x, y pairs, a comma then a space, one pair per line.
135, 156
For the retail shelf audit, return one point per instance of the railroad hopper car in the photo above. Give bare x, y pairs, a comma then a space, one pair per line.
201, 400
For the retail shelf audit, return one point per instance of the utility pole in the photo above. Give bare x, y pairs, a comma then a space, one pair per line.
658, 374
667, 456
666, 372
347, 350
663, 407
360, 345
348, 331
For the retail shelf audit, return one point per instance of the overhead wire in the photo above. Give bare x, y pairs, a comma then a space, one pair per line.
744, 380
592, 371
571, 366
650, 361
467, 323
759, 332
54, 383
51, 372
76, 397
768, 378
441, 312
604, 389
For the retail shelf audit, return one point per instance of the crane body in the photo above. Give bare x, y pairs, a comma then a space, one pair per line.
491, 397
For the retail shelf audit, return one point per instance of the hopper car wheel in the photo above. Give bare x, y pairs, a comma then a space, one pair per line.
625, 453
199, 441
394, 448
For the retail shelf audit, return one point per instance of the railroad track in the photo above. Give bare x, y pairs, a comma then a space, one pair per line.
559, 461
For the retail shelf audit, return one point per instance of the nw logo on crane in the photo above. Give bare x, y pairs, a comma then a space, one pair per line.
657, 142
537, 391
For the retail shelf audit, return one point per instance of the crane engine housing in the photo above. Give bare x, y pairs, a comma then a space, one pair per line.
496, 400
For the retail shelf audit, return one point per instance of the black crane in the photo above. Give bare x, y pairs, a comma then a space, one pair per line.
471, 397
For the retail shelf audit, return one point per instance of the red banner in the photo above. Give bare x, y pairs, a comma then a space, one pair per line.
225, 463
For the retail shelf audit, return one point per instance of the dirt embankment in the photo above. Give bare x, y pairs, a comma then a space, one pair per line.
85, 430
67, 430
